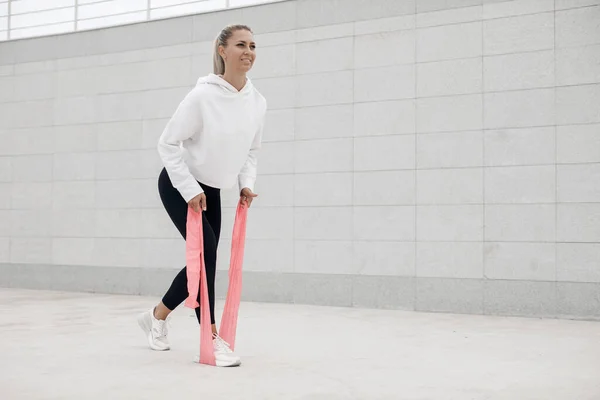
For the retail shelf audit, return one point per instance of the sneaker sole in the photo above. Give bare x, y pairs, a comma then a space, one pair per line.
226, 365
221, 363
148, 332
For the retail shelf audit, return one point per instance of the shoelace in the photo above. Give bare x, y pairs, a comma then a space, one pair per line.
162, 328
221, 344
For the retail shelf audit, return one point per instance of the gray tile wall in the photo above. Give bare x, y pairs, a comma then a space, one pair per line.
431, 155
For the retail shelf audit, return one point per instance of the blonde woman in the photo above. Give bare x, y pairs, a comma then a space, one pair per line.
211, 142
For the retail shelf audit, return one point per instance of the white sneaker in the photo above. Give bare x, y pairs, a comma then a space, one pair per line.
224, 356
155, 330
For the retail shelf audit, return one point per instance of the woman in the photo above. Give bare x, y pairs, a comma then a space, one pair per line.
211, 142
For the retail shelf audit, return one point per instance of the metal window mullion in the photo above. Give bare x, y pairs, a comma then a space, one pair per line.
9, 18
76, 14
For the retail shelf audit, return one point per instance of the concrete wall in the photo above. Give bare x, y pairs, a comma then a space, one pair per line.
430, 155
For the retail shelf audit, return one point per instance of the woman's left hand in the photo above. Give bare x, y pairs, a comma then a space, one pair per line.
246, 196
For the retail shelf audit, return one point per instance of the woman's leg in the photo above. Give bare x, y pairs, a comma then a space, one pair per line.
177, 208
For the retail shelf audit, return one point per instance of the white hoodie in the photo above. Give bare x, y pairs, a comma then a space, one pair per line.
213, 137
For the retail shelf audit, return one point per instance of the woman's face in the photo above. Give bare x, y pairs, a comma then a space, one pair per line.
240, 53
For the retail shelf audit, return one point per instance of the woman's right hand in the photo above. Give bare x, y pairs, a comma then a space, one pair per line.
198, 202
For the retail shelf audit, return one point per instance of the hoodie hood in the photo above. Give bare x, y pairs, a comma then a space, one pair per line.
222, 84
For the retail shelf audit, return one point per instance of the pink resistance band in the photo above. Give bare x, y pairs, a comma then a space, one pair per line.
196, 276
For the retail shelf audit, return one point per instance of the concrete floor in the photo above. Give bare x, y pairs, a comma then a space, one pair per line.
88, 346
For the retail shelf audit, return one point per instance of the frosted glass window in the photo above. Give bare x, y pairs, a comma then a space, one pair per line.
90, 1
42, 18
202, 6
111, 20
42, 30
30, 18
167, 3
25, 6
112, 7
239, 3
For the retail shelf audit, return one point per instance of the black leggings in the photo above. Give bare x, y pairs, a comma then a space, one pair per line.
211, 223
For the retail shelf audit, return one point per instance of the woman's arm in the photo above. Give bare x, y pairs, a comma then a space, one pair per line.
184, 123
247, 175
